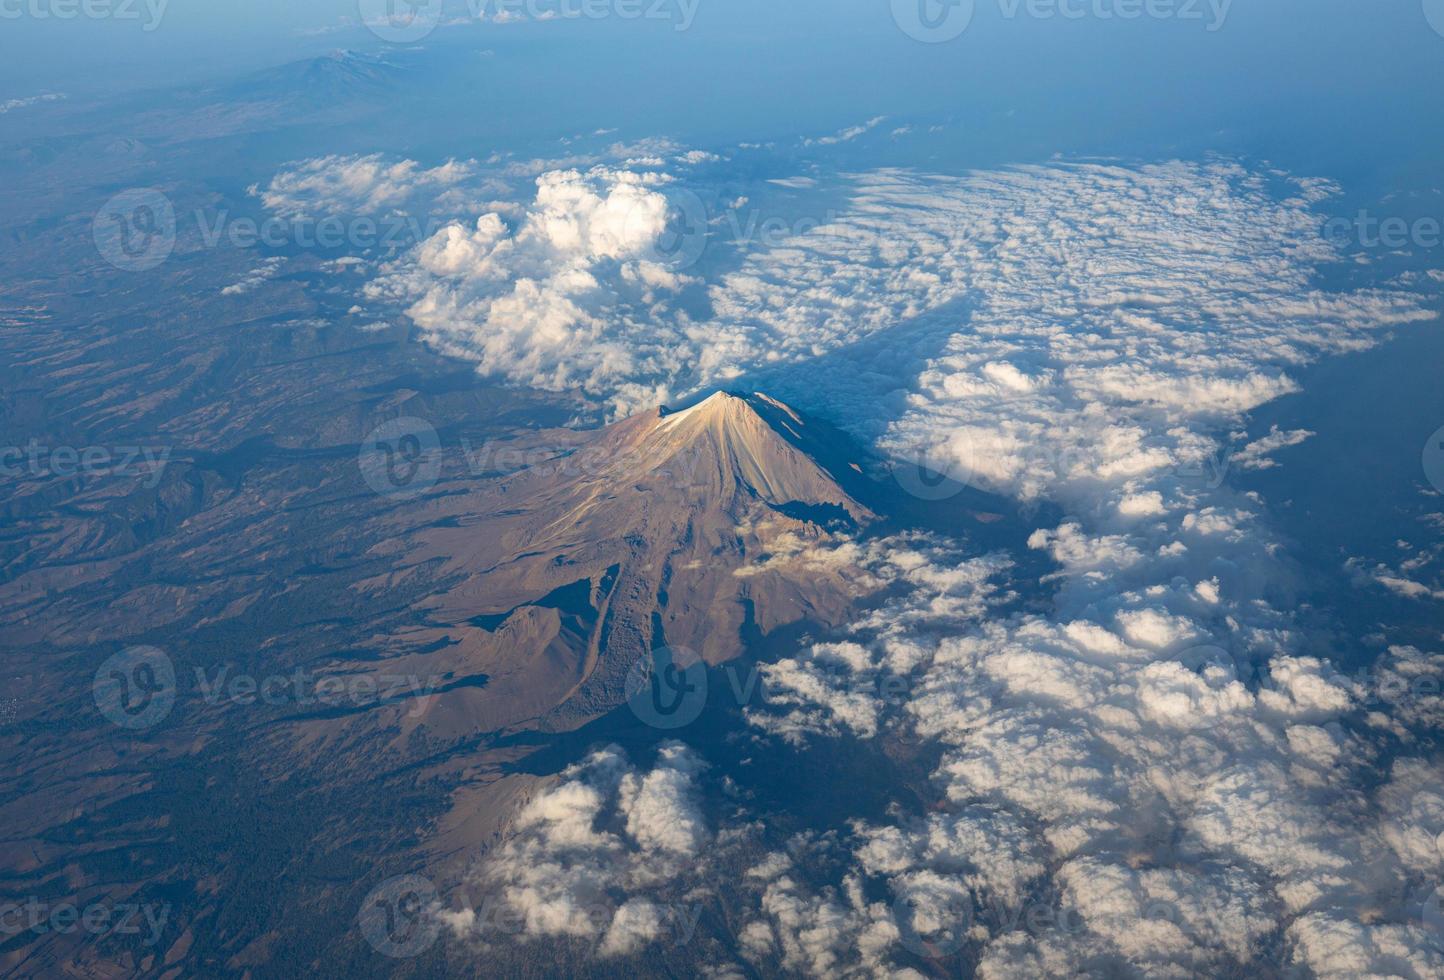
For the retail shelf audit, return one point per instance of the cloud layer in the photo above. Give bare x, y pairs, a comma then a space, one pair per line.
349, 185
574, 294
604, 828
1159, 775
1179, 290
1183, 783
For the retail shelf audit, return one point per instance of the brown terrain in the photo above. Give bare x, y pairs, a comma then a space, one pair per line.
691, 529
356, 656
511, 594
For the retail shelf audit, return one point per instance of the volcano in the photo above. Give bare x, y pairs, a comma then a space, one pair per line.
707, 529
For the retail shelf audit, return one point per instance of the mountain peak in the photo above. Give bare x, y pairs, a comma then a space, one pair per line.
717, 403
707, 528
327, 80
730, 446
730, 407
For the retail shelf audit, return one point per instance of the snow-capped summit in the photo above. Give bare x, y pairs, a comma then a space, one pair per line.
723, 446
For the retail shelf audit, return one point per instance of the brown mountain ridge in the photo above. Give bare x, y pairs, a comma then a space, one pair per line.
693, 529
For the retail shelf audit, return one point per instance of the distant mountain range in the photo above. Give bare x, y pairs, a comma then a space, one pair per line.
320, 83
333, 88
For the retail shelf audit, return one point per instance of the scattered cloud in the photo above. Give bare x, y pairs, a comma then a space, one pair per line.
1191, 777
847, 135
1258, 455
10, 105
602, 828
1158, 761
574, 294
256, 278
347, 185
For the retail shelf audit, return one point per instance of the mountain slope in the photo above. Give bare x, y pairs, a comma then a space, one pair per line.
323, 82
705, 529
